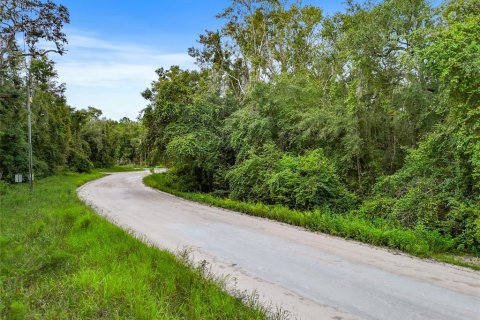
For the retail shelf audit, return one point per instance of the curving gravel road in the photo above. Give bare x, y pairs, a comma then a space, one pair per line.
313, 276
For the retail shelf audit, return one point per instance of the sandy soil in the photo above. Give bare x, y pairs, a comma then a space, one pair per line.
311, 275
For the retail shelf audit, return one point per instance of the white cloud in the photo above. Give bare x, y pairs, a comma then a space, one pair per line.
110, 75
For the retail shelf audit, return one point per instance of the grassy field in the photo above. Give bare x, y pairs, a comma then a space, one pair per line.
60, 260
419, 241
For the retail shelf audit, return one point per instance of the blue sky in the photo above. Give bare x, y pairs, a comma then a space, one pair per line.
116, 45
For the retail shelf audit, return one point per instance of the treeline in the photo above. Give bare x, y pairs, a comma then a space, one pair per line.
373, 111
62, 137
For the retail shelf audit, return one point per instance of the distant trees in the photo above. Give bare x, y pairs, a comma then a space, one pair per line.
62, 137
106, 142
375, 109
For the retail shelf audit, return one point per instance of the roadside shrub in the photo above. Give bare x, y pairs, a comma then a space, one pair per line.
419, 206
307, 182
299, 182
437, 242
463, 223
79, 162
377, 207
435, 189
248, 179
195, 156
183, 179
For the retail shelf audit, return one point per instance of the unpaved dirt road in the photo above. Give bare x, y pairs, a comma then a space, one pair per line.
314, 276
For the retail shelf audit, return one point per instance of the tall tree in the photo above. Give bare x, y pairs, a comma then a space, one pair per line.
25, 23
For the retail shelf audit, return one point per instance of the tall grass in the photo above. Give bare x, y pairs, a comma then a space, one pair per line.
419, 241
59, 260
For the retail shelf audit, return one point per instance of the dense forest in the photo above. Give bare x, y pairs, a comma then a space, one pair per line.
373, 111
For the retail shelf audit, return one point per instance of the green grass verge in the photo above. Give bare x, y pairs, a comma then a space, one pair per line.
419, 242
457, 260
60, 260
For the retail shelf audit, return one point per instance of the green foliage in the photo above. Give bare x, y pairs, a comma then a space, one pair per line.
79, 162
374, 109
61, 137
303, 182
307, 182
195, 155
187, 117
14, 152
271, 36
438, 185
57, 251
452, 53
431, 189
248, 180
174, 90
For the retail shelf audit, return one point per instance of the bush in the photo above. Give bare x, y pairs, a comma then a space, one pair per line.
434, 190
378, 207
307, 182
463, 223
301, 182
248, 179
80, 162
